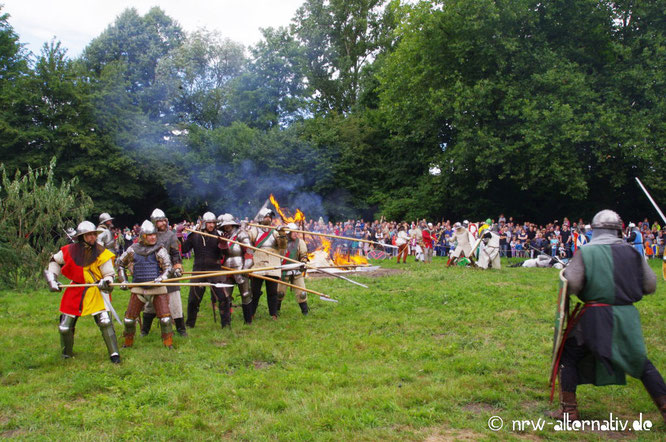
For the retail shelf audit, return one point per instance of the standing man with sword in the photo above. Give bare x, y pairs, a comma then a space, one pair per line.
84, 261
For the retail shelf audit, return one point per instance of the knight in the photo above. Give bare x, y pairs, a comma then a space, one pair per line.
84, 262
237, 257
151, 263
296, 250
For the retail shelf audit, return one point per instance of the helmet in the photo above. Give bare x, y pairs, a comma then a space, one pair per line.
292, 226
465, 223
265, 212
457, 225
227, 219
632, 225
104, 217
489, 221
157, 215
147, 228
86, 227
607, 219
209, 217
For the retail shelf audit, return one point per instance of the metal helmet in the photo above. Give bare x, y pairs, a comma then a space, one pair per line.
157, 215
631, 225
607, 219
147, 228
86, 227
292, 226
265, 212
457, 225
104, 217
227, 219
209, 217
489, 221
465, 223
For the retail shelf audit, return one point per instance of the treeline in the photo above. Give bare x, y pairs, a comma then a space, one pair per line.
359, 108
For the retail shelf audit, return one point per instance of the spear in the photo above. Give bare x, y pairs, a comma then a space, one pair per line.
279, 281
155, 284
226, 273
278, 255
201, 272
328, 235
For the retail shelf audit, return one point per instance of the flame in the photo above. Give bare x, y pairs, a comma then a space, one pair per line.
320, 244
342, 260
299, 216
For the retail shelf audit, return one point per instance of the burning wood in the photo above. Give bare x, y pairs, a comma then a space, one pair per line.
322, 254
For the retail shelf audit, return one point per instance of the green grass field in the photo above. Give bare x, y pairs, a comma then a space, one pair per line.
427, 354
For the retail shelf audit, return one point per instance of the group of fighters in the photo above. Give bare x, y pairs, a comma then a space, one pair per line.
156, 257
486, 239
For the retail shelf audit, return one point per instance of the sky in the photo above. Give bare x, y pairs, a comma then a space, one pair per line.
76, 22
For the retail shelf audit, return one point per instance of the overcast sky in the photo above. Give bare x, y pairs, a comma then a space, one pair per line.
76, 22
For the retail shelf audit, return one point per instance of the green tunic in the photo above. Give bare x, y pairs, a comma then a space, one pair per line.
612, 333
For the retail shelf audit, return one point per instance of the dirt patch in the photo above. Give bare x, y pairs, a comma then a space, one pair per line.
374, 273
220, 344
447, 435
260, 365
13, 433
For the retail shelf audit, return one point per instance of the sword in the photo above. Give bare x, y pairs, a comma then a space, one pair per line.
109, 306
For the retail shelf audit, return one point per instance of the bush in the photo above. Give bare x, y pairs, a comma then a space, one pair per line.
34, 212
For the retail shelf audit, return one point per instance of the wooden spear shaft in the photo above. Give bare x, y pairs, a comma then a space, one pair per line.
275, 254
146, 284
279, 281
220, 273
328, 235
202, 272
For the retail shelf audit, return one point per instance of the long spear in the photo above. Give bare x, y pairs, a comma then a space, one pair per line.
279, 281
231, 272
278, 255
328, 235
206, 272
656, 207
155, 284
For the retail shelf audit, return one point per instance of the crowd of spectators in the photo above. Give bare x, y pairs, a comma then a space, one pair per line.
517, 239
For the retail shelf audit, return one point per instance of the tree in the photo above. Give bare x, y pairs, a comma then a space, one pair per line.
34, 212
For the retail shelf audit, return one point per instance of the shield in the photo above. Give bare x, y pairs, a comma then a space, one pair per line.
663, 270
561, 319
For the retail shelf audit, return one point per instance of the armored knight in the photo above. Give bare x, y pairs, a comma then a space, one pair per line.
237, 258
105, 237
168, 239
151, 264
274, 241
207, 257
84, 262
635, 238
489, 256
297, 250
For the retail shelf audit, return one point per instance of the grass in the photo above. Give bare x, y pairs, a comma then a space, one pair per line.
427, 354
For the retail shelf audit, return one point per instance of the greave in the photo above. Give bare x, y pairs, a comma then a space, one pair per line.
130, 331
167, 331
66, 328
105, 325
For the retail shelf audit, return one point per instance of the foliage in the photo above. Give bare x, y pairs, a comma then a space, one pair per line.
34, 212
399, 361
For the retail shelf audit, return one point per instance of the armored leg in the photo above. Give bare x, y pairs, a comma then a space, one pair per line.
133, 310
161, 303
105, 325
175, 304
66, 328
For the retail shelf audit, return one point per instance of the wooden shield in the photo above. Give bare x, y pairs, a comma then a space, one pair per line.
561, 319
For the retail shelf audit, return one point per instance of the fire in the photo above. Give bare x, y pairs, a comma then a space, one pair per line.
321, 245
342, 260
298, 217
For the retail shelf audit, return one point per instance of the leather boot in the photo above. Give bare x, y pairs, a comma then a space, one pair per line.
129, 340
180, 327
661, 405
279, 306
247, 313
568, 405
304, 307
167, 340
147, 323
